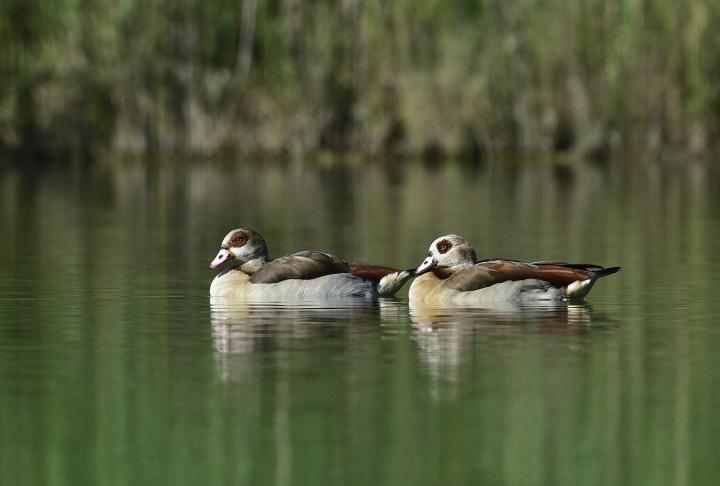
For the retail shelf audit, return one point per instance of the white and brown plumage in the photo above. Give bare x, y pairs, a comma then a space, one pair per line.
451, 273
248, 272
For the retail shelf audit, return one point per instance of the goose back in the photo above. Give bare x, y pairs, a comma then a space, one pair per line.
491, 272
304, 265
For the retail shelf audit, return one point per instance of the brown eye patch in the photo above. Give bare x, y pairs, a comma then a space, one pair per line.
238, 239
443, 246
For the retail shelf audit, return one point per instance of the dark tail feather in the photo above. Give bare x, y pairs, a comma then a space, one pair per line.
577, 266
370, 272
604, 272
579, 289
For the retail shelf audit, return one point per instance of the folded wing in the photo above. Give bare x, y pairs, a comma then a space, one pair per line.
491, 272
304, 265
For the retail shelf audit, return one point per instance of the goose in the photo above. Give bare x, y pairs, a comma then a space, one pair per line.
247, 272
452, 274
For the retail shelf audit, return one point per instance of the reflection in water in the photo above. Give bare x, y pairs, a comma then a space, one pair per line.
244, 327
447, 335
550, 314
443, 336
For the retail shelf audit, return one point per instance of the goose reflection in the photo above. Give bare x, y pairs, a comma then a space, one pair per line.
241, 328
445, 336
504, 316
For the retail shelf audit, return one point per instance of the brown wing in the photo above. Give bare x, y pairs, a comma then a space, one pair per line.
370, 272
561, 274
491, 272
303, 265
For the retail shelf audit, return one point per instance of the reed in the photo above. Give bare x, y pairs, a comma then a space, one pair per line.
291, 78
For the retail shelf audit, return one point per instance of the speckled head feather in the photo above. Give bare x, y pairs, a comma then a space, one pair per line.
451, 250
448, 251
239, 247
246, 244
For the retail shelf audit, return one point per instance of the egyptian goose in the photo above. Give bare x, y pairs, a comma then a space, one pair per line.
247, 272
451, 273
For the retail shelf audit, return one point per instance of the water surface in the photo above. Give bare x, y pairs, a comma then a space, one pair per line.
114, 368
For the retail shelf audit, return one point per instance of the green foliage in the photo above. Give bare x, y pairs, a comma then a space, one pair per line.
372, 77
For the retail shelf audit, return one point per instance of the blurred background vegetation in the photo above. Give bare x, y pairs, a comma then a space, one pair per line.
82, 78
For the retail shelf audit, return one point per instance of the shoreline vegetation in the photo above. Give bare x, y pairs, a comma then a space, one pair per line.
287, 78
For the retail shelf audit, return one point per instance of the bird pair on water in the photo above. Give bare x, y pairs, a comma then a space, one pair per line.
450, 274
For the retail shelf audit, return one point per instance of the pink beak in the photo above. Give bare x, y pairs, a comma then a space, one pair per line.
222, 259
428, 264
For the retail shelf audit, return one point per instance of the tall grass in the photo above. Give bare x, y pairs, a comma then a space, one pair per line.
372, 77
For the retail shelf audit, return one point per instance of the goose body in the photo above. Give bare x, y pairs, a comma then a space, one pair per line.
237, 285
248, 273
429, 289
451, 274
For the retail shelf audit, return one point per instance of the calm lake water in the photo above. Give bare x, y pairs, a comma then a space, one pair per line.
114, 369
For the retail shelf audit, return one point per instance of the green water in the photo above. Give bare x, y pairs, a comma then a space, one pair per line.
115, 370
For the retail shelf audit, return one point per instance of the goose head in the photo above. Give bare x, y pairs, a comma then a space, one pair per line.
240, 247
448, 251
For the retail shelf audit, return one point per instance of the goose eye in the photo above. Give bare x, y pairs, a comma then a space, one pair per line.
238, 240
443, 246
